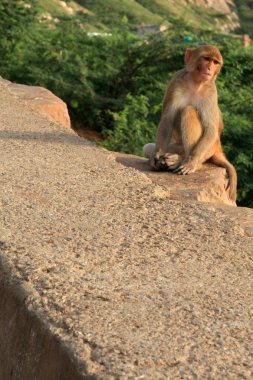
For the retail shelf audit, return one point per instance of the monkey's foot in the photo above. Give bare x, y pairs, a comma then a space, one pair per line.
171, 160
166, 161
187, 167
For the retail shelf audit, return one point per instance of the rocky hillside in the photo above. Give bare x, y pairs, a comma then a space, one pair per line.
101, 16
223, 6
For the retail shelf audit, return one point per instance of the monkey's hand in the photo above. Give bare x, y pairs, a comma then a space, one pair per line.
165, 161
186, 167
158, 163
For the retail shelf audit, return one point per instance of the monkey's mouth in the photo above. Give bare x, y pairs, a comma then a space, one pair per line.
206, 73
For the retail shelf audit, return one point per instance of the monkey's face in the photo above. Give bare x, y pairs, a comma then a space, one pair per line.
207, 68
204, 62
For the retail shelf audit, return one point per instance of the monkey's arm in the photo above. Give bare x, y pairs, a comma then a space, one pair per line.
163, 137
165, 127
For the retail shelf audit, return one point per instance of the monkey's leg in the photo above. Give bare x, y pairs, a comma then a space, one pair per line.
191, 132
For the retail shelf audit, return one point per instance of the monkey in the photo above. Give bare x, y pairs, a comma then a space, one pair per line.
191, 122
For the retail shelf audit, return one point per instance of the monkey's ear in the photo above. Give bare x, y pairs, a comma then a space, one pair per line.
188, 55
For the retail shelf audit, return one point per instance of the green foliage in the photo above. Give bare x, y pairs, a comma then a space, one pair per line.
15, 19
132, 128
245, 11
236, 101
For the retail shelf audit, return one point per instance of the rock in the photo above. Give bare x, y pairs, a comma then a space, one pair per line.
40, 99
103, 277
223, 6
207, 185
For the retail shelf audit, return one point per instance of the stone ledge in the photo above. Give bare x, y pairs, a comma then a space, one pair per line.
127, 283
29, 349
207, 185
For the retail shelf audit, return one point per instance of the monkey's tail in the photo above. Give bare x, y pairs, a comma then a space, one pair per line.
219, 159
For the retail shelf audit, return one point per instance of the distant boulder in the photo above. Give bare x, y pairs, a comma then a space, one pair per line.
41, 100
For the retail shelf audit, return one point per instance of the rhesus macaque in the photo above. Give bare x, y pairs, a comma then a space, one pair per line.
191, 122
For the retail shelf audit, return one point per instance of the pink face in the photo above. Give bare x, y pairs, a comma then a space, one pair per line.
207, 67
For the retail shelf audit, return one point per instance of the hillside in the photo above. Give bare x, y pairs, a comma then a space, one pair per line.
101, 15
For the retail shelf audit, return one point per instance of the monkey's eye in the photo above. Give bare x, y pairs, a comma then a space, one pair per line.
209, 59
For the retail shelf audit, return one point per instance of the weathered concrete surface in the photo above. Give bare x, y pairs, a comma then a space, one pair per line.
27, 349
40, 99
100, 266
208, 184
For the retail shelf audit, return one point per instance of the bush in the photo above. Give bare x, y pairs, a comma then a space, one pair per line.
132, 128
